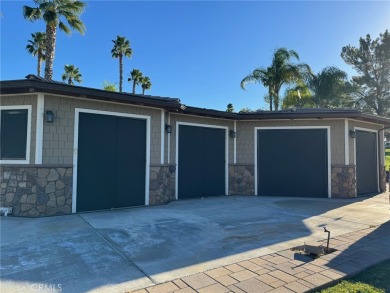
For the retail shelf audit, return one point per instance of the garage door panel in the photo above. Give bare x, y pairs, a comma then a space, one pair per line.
93, 168
130, 162
293, 162
201, 161
190, 161
366, 163
111, 162
214, 157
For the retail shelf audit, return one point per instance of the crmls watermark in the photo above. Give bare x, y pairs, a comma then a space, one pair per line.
46, 287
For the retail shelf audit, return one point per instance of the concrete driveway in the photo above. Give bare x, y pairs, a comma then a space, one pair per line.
123, 250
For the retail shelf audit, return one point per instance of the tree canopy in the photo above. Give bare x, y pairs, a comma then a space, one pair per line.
371, 60
281, 72
54, 12
230, 108
136, 76
327, 89
37, 47
109, 86
71, 74
146, 84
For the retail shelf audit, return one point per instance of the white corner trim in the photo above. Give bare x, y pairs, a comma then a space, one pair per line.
169, 140
75, 158
75, 148
162, 151
235, 143
346, 143
255, 156
147, 167
329, 163
28, 138
226, 128
327, 128
227, 160
176, 161
39, 128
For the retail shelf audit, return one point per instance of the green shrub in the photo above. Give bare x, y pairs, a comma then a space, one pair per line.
387, 162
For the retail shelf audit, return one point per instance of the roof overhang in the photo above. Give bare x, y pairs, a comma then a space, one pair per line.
34, 84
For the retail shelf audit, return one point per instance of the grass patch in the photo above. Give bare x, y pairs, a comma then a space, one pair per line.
387, 159
373, 280
351, 287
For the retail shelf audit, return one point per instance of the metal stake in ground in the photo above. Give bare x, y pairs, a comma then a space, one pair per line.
327, 244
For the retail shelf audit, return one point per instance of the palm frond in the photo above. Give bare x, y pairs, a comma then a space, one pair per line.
259, 75
32, 14
76, 24
62, 26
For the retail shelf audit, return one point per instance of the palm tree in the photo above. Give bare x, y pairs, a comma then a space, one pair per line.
281, 72
71, 73
37, 47
327, 87
136, 77
146, 84
52, 12
121, 49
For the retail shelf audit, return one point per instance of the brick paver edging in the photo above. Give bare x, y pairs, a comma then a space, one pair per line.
286, 271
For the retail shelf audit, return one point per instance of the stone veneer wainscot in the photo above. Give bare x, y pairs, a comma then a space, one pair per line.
343, 181
34, 191
241, 179
162, 184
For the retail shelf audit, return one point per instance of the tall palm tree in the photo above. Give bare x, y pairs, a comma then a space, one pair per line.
281, 72
121, 49
71, 74
146, 84
53, 12
37, 47
136, 77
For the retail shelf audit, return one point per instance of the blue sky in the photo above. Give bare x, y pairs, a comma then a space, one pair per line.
196, 51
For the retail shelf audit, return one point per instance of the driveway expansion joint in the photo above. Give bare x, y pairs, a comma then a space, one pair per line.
116, 249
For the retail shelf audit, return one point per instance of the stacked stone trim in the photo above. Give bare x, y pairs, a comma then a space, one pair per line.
241, 179
344, 181
162, 184
36, 191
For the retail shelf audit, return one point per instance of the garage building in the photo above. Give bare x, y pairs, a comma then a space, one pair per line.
67, 149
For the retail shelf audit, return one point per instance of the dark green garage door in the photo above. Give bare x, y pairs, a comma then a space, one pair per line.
111, 162
366, 163
201, 161
292, 162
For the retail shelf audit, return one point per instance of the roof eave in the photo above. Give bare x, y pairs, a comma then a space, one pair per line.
32, 86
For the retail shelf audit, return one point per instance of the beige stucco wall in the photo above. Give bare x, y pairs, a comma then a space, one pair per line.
352, 124
206, 122
58, 136
18, 100
246, 132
